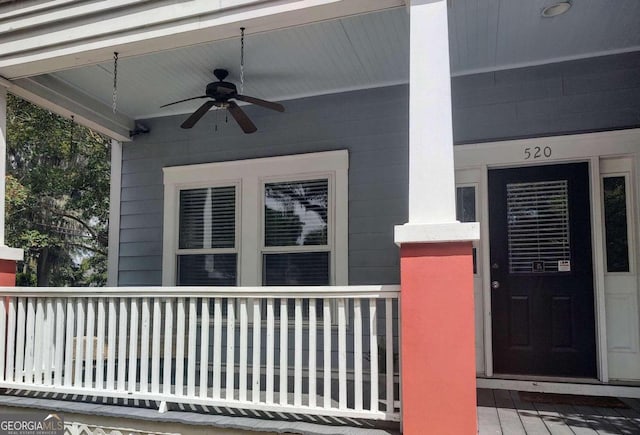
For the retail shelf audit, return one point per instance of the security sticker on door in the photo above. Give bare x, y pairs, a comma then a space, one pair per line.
564, 266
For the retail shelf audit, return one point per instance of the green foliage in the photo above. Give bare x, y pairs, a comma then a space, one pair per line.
57, 197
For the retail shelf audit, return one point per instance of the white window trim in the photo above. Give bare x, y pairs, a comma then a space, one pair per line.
249, 176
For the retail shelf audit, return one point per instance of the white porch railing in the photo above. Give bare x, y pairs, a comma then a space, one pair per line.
306, 350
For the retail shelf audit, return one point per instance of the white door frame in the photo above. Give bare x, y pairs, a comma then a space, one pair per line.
549, 150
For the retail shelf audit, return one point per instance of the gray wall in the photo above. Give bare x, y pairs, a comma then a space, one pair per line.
371, 124
570, 97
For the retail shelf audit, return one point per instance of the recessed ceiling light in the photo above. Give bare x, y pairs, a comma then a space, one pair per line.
556, 9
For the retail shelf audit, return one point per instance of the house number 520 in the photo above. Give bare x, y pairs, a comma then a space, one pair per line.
532, 153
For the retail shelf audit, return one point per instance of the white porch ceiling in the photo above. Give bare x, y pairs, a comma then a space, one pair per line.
364, 51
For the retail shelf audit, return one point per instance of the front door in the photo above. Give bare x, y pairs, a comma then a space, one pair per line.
542, 296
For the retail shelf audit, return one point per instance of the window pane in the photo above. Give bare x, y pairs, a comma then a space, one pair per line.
207, 269
300, 268
538, 226
295, 213
466, 204
207, 218
615, 224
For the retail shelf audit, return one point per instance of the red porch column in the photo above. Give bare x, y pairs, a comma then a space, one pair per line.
437, 332
436, 310
7, 273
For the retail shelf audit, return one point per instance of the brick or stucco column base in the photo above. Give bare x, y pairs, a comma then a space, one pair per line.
438, 350
7, 273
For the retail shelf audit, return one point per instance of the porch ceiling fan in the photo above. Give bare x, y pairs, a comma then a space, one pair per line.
221, 94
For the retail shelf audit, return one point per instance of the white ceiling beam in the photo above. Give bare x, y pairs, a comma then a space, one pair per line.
64, 100
46, 43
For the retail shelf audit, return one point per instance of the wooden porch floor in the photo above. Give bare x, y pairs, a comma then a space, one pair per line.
509, 412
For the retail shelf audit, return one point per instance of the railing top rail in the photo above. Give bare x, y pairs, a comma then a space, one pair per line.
304, 292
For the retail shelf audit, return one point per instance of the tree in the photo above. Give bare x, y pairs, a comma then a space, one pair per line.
57, 197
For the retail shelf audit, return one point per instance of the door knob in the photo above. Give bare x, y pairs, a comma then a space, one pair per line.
495, 284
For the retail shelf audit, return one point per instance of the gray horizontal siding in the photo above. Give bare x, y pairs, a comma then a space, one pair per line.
378, 157
569, 97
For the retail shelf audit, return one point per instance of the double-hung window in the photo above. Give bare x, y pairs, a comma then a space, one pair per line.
260, 222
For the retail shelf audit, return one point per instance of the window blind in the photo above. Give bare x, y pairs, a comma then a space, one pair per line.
538, 226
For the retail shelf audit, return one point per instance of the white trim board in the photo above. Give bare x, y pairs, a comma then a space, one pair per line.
249, 176
563, 148
589, 389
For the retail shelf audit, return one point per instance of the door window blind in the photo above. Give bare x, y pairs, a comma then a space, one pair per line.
538, 226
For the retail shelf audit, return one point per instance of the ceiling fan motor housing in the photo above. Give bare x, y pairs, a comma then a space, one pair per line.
221, 90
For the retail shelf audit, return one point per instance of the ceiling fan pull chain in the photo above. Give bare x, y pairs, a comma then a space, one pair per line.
115, 81
241, 60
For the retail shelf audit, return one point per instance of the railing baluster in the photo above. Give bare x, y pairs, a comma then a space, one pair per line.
204, 348
373, 353
269, 373
180, 323
132, 375
145, 332
297, 365
68, 344
89, 351
242, 381
3, 331
357, 356
326, 352
231, 349
51, 340
102, 314
30, 339
217, 347
79, 337
123, 332
59, 343
11, 339
389, 353
40, 336
342, 354
155, 346
168, 345
191, 358
20, 341
255, 372
111, 344
284, 335
313, 306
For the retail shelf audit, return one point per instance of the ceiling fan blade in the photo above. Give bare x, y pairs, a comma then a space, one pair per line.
195, 116
241, 118
186, 99
259, 102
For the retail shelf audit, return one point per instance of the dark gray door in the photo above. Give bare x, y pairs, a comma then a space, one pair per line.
541, 271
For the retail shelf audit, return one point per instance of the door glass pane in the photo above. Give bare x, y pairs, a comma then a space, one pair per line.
538, 227
615, 223
466, 204
207, 218
466, 211
295, 213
